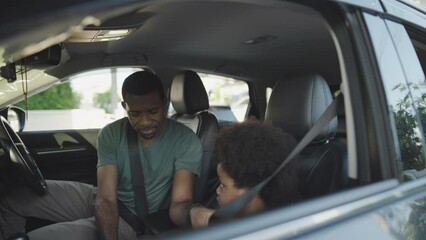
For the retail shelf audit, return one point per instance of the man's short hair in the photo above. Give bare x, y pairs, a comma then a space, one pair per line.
142, 83
252, 151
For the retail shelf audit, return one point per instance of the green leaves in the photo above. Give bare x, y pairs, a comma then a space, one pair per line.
59, 97
409, 134
103, 100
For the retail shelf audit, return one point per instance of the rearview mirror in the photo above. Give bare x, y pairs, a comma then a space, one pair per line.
47, 58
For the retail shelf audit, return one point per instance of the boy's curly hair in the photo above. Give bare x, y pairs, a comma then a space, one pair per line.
252, 151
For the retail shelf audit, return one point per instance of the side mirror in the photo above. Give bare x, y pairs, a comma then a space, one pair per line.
15, 116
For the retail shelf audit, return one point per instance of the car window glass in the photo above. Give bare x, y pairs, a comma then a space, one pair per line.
417, 82
412, 141
406, 129
421, 4
83, 101
228, 98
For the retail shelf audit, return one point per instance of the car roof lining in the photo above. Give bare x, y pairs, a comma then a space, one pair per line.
187, 35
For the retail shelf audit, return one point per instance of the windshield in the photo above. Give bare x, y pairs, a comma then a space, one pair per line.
27, 82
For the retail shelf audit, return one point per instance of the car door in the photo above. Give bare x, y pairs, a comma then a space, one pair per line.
64, 155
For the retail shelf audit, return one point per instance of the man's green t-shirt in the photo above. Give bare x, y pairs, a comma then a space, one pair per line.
177, 147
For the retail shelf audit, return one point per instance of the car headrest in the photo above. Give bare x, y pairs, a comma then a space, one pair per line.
188, 95
296, 104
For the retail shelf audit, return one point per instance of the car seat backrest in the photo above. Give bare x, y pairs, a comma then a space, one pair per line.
295, 105
190, 101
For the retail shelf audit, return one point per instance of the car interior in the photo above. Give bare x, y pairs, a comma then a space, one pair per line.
292, 48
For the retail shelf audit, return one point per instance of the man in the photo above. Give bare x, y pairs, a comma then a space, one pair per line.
172, 152
247, 153
171, 158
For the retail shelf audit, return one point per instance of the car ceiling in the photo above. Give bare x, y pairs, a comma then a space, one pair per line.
208, 36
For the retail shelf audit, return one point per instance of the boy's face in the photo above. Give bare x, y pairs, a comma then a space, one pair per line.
227, 191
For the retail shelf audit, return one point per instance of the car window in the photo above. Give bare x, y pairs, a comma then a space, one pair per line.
413, 57
406, 129
228, 98
410, 108
83, 101
421, 4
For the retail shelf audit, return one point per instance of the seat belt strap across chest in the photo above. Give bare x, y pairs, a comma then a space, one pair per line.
138, 180
138, 183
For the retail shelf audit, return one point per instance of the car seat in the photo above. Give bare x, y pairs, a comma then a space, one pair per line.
295, 105
191, 103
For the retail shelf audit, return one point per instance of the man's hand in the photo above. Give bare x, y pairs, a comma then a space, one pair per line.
200, 216
106, 211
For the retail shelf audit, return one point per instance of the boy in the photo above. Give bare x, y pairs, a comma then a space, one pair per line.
247, 153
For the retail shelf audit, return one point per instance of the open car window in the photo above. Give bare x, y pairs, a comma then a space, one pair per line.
83, 101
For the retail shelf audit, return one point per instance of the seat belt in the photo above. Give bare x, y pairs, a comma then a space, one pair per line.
232, 209
138, 183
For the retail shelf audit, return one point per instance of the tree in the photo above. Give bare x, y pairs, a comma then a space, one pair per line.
59, 97
103, 100
410, 143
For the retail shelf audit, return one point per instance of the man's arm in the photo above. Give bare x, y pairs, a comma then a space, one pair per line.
183, 182
106, 202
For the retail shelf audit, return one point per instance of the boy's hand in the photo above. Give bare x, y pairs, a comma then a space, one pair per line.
200, 216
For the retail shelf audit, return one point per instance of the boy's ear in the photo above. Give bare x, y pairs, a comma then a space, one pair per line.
123, 104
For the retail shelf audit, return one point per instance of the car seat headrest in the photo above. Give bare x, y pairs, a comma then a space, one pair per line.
296, 104
188, 95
